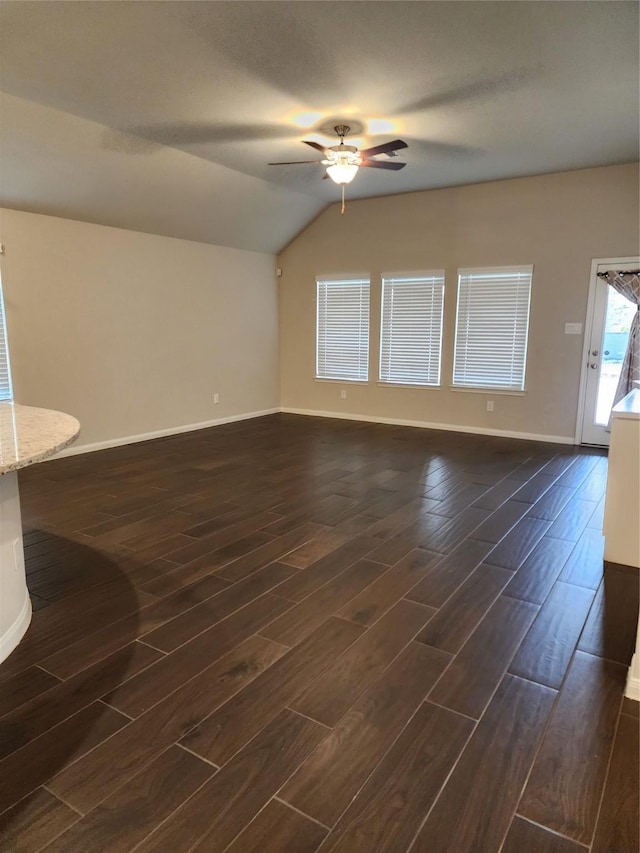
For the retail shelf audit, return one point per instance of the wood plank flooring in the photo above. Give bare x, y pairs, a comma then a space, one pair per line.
298, 635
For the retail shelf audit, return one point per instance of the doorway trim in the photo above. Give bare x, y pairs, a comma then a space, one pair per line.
609, 263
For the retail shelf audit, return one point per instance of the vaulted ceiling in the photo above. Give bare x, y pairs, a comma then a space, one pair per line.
163, 116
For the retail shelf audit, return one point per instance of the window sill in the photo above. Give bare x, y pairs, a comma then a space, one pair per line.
383, 384
340, 381
500, 391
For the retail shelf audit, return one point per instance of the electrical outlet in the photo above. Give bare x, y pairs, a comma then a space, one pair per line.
216, 399
343, 394
489, 405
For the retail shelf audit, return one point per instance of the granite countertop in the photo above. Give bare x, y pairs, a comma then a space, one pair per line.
629, 406
29, 435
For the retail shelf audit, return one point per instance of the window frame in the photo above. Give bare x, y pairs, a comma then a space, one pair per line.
361, 280
408, 276
487, 387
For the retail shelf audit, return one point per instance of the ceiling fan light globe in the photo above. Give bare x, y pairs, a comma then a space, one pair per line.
342, 173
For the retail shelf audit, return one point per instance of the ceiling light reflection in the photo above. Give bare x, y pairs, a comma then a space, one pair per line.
305, 119
383, 125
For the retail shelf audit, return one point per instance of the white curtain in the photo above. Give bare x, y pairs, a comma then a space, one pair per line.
628, 285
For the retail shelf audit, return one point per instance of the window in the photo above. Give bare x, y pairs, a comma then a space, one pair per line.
342, 341
5, 374
411, 328
492, 324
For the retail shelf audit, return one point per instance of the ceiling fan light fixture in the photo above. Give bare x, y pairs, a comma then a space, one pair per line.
343, 161
342, 173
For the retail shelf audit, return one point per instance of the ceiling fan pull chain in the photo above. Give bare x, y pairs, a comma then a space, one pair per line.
342, 208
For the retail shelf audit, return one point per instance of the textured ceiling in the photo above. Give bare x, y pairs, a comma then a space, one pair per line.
163, 116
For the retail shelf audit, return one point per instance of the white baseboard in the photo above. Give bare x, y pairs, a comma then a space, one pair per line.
529, 436
18, 629
632, 690
77, 449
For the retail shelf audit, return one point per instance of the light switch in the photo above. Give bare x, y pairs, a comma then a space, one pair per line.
573, 328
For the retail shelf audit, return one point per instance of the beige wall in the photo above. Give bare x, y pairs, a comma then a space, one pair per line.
556, 222
133, 333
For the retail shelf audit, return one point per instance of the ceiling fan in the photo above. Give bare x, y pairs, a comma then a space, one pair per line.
343, 161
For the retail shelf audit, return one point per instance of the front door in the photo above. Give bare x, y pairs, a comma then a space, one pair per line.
607, 334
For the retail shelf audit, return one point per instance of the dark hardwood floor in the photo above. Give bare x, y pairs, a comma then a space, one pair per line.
291, 635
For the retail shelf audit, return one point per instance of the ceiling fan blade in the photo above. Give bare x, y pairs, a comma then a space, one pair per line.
293, 162
385, 148
383, 164
315, 145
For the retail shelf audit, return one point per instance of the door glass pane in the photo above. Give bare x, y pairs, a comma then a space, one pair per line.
620, 313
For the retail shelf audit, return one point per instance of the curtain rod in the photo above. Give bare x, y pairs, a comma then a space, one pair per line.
619, 272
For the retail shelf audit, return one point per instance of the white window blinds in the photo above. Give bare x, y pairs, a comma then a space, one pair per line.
342, 339
411, 328
492, 325
5, 373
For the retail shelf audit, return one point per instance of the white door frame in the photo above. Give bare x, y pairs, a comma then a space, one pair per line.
609, 263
